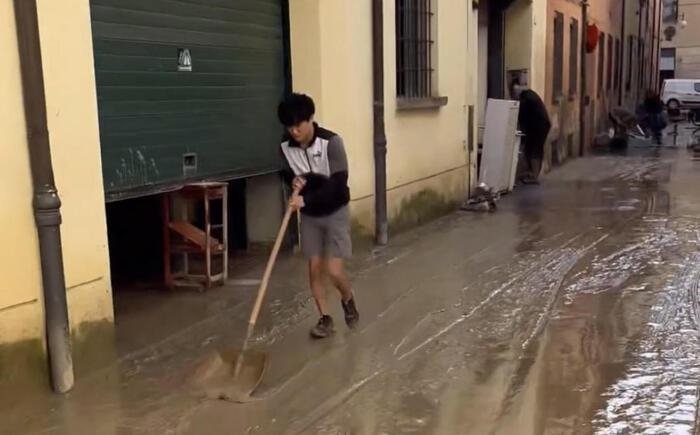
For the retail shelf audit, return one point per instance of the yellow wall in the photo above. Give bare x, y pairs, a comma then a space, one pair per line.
72, 120
518, 31
538, 62
629, 98
687, 62
526, 26
565, 113
607, 16
426, 148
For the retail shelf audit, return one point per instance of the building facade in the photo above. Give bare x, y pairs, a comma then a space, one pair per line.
427, 99
680, 48
141, 100
71, 106
621, 43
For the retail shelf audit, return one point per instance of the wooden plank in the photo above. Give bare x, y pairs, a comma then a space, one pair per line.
193, 234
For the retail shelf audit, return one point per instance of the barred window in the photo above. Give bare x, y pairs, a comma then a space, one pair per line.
630, 63
601, 64
414, 48
670, 11
574, 53
558, 64
642, 63
609, 64
618, 63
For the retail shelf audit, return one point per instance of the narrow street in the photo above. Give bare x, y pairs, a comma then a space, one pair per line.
574, 309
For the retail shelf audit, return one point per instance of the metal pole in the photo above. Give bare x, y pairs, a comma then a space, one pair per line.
380, 207
640, 58
621, 53
583, 100
46, 202
652, 46
656, 47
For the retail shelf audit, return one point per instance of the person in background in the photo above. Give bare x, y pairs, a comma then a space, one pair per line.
651, 115
534, 123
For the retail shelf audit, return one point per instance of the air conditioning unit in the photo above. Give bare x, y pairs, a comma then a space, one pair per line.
670, 32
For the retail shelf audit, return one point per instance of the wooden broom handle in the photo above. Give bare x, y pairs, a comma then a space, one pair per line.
262, 290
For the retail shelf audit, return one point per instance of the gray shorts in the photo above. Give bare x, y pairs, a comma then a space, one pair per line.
327, 236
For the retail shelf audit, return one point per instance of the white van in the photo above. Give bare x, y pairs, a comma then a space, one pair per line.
681, 93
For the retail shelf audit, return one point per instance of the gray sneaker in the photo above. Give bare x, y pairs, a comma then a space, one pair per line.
324, 327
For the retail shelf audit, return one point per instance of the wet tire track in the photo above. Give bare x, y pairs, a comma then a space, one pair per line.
659, 393
523, 286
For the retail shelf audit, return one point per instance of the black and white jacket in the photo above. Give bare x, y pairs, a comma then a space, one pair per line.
324, 165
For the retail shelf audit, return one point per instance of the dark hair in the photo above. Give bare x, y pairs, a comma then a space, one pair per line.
295, 109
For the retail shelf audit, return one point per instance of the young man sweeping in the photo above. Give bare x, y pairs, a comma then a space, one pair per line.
315, 162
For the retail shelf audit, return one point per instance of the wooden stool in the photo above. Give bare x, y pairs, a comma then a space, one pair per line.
183, 239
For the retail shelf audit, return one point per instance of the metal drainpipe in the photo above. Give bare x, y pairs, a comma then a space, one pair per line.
640, 78
621, 53
584, 76
380, 206
655, 47
46, 202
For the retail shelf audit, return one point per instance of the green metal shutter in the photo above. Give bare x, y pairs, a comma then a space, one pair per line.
161, 125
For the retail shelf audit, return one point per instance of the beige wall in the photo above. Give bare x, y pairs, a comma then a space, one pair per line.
427, 161
631, 28
607, 15
538, 62
525, 46
687, 41
688, 62
526, 27
72, 121
518, 32
565, 112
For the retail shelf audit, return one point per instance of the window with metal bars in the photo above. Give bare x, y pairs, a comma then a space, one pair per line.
642, 64
610, 63
670, 11
630, 63
573, 57
618, 63
601, 64
558, 63
414, 49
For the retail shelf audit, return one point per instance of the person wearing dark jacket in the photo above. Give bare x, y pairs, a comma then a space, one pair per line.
651, 115
314, 161
534, 123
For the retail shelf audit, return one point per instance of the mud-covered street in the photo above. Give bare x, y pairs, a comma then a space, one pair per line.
574, 309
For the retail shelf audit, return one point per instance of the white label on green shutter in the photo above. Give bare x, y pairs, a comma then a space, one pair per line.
184, 59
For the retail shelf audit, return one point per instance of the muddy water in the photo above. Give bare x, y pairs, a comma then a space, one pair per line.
574, 309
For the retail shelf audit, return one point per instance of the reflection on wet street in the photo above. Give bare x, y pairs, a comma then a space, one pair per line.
574, 309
